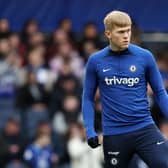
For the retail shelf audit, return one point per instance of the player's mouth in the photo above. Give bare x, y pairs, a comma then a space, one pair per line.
125, 42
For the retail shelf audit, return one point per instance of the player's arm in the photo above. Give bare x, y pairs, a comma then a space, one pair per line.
156, 83
89, 90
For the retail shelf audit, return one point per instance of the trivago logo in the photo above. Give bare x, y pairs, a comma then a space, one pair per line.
121, 81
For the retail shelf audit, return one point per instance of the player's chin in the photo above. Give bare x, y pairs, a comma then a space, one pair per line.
125, 46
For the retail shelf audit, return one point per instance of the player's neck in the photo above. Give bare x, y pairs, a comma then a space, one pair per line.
116, 48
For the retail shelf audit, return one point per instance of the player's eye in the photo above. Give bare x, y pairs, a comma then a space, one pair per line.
121, 32
128, 30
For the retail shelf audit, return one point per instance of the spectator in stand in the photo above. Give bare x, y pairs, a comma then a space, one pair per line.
4, 48
31, 26
4, 28
69, 113
91, 34
136, 35
32, 100
88, 48
37, 64
66, 25
14, 62
32, 94
66, 84
35, 40
58, 143
58, 37
39, 154
80, 154
16, 45
11, 77
13, 142
66, 52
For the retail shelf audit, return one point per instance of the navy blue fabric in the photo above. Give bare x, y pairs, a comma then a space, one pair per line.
150, 15
147, 142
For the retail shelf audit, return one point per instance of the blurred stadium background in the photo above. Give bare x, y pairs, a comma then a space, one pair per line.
44, 46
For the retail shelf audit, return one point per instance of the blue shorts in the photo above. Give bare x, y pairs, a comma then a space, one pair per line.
147, 142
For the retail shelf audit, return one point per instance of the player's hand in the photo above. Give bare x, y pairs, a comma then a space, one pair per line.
93, 142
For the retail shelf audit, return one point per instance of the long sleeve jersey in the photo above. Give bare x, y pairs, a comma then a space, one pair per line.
122, 79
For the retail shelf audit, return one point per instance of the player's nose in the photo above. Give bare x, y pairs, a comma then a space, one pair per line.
126, 35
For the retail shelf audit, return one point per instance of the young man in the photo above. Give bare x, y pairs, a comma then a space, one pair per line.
121, 71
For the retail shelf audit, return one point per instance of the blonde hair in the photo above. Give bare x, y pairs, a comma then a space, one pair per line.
116, 18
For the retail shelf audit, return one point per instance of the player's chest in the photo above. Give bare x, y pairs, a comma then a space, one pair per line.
121, 67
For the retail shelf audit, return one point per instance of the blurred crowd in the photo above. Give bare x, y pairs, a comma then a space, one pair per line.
41, 76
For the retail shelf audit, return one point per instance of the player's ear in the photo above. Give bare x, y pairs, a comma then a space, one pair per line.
107, 34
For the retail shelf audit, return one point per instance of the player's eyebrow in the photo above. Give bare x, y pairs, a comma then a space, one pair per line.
126, 30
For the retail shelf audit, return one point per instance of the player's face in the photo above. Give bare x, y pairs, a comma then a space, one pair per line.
119, 37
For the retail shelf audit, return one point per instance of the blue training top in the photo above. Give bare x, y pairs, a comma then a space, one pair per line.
122, 79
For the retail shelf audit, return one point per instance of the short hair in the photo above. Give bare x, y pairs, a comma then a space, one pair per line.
116, 18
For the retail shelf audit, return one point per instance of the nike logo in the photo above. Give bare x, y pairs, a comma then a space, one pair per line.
161, 142
105, 70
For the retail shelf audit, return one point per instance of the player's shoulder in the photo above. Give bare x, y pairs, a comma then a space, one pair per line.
139, 50
99, 54
143, 54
